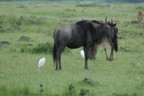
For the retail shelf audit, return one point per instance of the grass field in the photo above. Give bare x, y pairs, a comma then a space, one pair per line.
35, 21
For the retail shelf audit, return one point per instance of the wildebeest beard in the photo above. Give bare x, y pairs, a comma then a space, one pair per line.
115, 39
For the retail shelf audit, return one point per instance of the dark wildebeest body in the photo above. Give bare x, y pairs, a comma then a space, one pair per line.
83, 33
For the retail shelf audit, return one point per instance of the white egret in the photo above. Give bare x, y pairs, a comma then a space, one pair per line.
82, 53
41, 62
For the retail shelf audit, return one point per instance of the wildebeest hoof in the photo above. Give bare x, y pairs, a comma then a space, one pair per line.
86, 68
92, 58
56, 69
110, 59
60, 68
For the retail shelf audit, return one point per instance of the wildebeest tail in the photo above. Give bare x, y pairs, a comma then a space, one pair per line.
54, 52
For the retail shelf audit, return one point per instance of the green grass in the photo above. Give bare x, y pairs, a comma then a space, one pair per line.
20, 76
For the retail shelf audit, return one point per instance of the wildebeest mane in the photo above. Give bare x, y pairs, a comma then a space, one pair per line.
97, 30
95, 21
81, 22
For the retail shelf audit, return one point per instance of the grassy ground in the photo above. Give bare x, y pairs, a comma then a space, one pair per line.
20, 76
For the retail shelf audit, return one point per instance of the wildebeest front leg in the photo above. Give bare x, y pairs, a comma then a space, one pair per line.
111, 55
112, 49
60, 63
57, 61
106, 54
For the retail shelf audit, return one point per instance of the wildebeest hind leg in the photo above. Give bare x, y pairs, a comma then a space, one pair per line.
86, 51
112, 49
60, 63
111, 55
59, 56
57, 61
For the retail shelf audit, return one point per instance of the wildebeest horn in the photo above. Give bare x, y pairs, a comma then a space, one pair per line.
106, 20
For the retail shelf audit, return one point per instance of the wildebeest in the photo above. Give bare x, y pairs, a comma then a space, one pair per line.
105, 41
83, 33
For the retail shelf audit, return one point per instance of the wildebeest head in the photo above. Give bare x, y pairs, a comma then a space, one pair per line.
115, 30
100, 31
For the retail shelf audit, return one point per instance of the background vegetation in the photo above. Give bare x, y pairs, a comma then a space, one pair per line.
26, 35
109, 1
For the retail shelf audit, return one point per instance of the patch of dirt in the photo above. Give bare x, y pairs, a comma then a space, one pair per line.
31, 20
4, 43
88, 81
2, 30
125, 49
132, 22
29, 45
24, 38
131, 50
124, 94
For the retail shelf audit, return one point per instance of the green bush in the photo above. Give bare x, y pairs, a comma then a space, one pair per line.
43, 48
25, 49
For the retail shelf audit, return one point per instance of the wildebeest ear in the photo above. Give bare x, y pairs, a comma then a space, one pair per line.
114, 24
106, 20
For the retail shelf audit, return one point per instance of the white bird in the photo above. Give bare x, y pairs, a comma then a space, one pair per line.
41, 62
82, 53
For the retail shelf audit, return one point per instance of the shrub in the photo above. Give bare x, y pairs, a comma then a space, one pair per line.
43, 48
46, 48
25, 49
